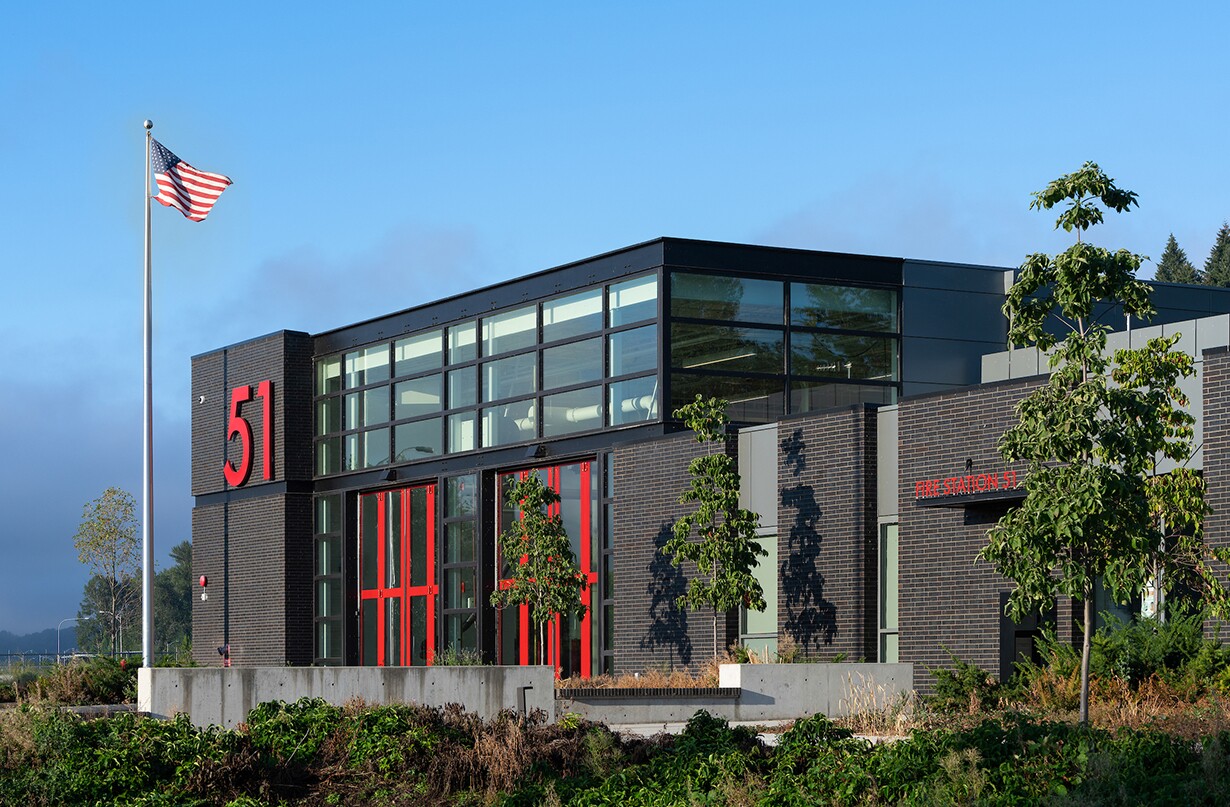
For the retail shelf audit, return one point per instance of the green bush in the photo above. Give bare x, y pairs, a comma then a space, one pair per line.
965, 687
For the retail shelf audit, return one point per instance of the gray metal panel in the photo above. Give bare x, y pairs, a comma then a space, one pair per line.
995, 367
1187, 336
887, 467
758, 473
954, 314
951, 362
1212, 332
956, 277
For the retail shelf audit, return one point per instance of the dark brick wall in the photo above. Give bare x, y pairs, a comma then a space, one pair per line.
950, 600
284, 358
254, 543
651, 631
1215, 417
827, 543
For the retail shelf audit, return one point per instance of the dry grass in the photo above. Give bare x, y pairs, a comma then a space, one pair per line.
872, 709
663, 678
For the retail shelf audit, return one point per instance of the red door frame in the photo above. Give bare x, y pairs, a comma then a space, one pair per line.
585, 565
403, 592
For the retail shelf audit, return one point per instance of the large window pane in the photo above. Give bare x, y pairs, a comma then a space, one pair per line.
328, 415
462, 431
461, 631
727, 298
575, 411
462, 387
633, 401
809, 396
843, 356
328, 557
418, 396
328, 515
509, 423
354, 411
573, 363
328, 375
719, 347
848, 307
367, 366
459, 542
459, 588
462, 342
634, 351
375, 448
510, 331
416, 440
460, 499
572, 316
329, 456
375, 406
416, 354
350, 453
633, 300
505, 378
752, 400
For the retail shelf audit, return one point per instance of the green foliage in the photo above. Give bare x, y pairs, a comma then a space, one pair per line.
965, 687
108, 543
547, 578
1174, 267
1093, 436
458, 657
727, 549
173, 598
1217, 265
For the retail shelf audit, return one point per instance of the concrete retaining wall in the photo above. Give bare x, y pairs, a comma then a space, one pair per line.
223, 697
765, 692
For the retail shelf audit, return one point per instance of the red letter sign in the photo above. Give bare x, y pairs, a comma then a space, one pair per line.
239, 426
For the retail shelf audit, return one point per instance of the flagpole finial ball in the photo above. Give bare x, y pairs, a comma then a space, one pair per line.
149, 124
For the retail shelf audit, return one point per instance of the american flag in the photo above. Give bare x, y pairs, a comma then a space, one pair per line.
183, 187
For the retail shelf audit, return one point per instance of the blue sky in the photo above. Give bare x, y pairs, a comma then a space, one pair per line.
388, 154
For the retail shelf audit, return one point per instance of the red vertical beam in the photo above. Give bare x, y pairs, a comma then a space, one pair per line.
381, 558
587, 570
432, 588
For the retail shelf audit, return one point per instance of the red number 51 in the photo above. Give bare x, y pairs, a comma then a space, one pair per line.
238, 425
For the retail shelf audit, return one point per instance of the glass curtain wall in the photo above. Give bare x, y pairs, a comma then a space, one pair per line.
773, 347
580, 362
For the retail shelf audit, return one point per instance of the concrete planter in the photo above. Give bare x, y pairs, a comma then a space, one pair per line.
224, 696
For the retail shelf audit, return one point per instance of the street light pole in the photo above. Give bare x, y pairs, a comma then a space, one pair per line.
62, 621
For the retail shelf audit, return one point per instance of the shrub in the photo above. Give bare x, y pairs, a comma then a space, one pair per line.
966, 687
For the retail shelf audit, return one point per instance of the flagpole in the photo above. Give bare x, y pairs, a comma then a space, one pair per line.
147, 485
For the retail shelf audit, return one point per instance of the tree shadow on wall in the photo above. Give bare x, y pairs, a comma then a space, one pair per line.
809, 618
668, 623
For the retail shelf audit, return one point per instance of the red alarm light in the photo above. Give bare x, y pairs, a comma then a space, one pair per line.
204, 581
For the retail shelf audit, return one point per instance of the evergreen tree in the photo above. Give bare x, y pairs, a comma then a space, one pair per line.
1217, 267
1174, 267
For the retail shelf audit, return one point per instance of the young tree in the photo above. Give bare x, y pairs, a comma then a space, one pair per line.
1217, 265
547, 578
1174, 267
108, 544
727, 549
1092, 436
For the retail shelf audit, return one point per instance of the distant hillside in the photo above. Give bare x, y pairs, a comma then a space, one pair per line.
44, 641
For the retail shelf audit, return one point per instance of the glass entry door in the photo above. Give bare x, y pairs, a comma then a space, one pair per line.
571, 644
397, 577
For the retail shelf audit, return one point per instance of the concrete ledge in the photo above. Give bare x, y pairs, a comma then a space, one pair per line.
224, 696
788, 691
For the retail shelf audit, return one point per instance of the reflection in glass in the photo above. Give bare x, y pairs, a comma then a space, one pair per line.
462, 631
459, 587
727, 298
350, 453
752, 400
418, 396
354, 410
328, 514
462, 342
634, 351
509, 423
633, 401
369, 626
393, 540
329, 639
510, 331
460, 496
462, 388
329, 456
369, 531
328, 557
375, 448
418, 631
462, 432
515, 375
720, 347
328, 375
328, 415
418, 353
418, 537
633, 300
846, 307
416, 440
810, 396
574, 363
844, 356
572, 315
375, 406
574, 411
459, 542
367, 366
